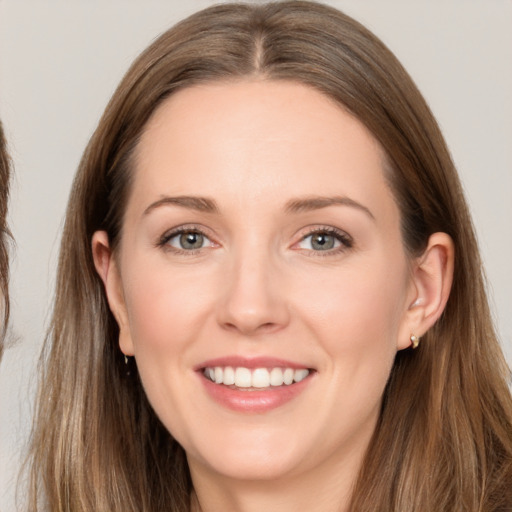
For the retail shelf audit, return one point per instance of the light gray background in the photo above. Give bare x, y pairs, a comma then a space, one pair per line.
61, 60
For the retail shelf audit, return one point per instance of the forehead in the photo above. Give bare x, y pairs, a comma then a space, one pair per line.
257, 139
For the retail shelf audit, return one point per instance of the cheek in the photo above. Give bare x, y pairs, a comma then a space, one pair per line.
166, 314
357, 315
363, 300
164, 310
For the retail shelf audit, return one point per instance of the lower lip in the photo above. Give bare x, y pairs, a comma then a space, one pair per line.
253, 401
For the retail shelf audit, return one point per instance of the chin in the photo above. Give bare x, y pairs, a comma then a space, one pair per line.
260, 469
258, 457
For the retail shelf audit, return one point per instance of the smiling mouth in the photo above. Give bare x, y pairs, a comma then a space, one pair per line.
247, 379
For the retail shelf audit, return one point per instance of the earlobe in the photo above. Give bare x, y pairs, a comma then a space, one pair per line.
432, 275
107, 268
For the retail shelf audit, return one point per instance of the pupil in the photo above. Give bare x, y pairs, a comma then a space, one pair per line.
323, 242
191, 240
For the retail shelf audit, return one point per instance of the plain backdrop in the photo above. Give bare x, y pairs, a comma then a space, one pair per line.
61, 60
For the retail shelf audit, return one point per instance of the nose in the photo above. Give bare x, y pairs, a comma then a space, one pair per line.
254, 298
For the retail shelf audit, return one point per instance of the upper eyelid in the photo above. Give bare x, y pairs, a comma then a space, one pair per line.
346, 241
183, 228
188, 227
311, 230
301, 235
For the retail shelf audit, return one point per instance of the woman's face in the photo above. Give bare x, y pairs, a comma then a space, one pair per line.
261, 282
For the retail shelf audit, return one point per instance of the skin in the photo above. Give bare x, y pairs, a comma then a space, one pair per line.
258, 287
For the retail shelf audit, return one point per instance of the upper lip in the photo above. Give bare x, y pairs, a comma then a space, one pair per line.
250, 362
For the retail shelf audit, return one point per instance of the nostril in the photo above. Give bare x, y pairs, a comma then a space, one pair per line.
230, 327
269, 326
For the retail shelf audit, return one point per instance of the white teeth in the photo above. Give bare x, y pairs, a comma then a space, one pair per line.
258, 378
229, 376
276, 377
300, 375
288, 376
243, 378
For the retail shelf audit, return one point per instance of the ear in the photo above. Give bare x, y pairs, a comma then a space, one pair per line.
107, 268
432, 275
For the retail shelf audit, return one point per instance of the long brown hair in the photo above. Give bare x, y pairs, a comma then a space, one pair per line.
444, 438
5, 175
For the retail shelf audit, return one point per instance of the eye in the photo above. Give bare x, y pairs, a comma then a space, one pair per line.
323, 240
186, 240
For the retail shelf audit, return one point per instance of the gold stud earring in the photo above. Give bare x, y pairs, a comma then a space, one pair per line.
127, 365
415, 341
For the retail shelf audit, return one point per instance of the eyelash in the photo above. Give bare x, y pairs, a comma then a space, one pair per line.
346, 241
163, 242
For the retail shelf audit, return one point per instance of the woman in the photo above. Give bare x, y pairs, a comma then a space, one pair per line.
269, 290
4, 233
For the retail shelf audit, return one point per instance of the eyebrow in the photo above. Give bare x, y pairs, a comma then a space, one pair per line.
201, 204
319, 202
204, 204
